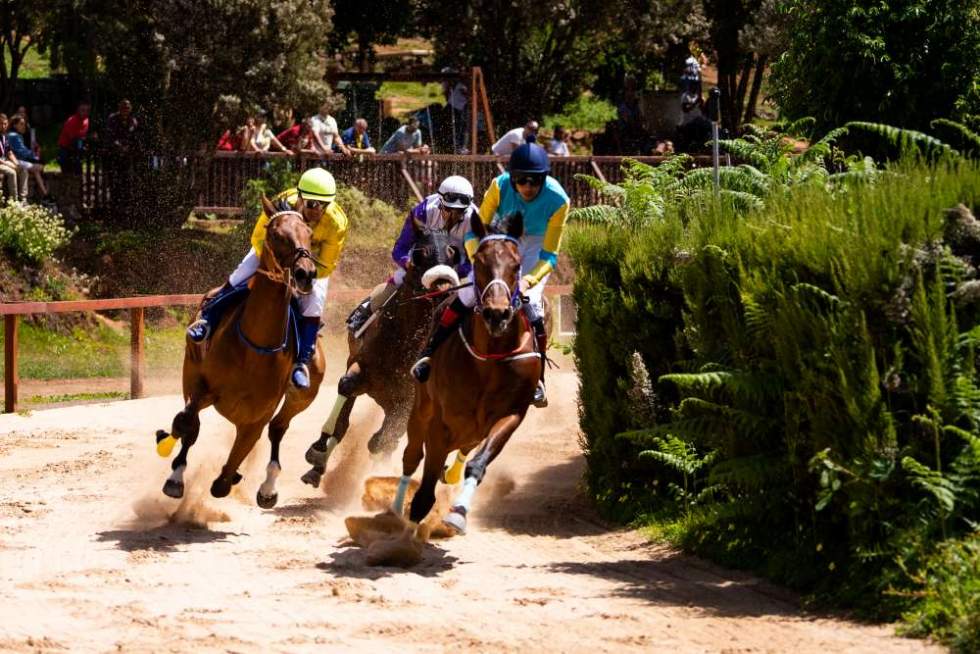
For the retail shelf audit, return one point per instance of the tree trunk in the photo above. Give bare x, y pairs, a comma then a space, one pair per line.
760, 69
743, 84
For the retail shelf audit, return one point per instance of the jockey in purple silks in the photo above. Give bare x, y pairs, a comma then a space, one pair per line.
450, 209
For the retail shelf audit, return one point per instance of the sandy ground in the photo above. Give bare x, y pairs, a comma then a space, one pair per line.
94, 558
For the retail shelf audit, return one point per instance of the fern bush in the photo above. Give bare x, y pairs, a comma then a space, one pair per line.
31, 233
813, 366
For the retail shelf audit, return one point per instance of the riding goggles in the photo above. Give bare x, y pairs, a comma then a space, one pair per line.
528, 180
316, 204
456, 200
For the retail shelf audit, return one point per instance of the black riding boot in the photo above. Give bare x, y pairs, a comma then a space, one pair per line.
212, 311
447, 323
308, 329
541, 336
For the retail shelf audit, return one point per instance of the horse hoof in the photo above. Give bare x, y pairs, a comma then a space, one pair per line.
220, 488
174, 489
316, 457
266, 501
456, 521
312, 477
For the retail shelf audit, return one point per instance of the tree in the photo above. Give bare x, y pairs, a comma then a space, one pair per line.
370, 22
193, 68
902, 62
20, 28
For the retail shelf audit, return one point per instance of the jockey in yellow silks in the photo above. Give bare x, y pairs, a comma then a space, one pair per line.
317, 191
525, 188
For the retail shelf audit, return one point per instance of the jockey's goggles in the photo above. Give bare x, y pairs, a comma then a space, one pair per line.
528, 180
316, 204
456, 200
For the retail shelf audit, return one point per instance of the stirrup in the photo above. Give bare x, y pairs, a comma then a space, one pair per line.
300, 377
421, 369
540, 398
199, 330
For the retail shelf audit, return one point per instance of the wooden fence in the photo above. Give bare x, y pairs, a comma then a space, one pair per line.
11, 312
394, 178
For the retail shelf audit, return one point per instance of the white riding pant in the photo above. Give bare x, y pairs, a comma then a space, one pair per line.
311, 305
398, 278
530, 247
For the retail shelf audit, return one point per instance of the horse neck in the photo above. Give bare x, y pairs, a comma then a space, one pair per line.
509, 341
264, 317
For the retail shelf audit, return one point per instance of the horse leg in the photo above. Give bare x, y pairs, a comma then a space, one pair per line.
335, 427
385, 441
411, 456
452, 474
245, 440
425, 496
267, 496
500, 433
185, 428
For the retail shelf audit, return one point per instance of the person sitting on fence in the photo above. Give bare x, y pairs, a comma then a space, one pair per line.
14, 176
516, 138
71, 141
407, 138
30, 134
326, 135
263, 139
29, 164
356, 138
526, 189
449, 209
297, 138
316, 193
558, 146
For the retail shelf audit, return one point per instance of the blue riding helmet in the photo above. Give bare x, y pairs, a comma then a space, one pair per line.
531, 159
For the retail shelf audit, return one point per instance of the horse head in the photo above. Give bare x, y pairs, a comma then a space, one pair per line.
288, 241
497, 270
434, 257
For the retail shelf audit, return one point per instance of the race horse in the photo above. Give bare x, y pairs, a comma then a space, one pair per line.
482, 382
382, 355
243, 369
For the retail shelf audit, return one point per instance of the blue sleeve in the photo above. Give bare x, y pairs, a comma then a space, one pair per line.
403, 245
347, 136
16, 142
417, 141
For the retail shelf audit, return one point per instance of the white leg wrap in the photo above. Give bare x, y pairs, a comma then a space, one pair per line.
465, 496
331, 423
399, 504
268, 487
178, 475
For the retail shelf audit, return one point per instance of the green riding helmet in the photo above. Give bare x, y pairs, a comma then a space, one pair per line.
317, 184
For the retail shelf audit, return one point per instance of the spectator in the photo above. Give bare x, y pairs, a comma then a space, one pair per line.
13, 175
326, 135
227, 142
297, 138
71, 141
691, 77
558, 146
663, 148
407, 138
515, 138
263, 139
120, 140
30, 135
121, 131
29, 164
356, 138
694, 129
457, 97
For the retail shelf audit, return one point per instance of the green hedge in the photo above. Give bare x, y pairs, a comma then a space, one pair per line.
814, 405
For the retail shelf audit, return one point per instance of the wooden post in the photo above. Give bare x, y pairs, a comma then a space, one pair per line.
473, 130
487, 116
411, 182
10, 376
138, 362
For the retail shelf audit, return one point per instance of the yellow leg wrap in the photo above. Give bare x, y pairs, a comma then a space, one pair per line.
331, 423
166, 445
454, 473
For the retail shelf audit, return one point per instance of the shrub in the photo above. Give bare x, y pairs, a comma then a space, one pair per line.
586, 112
31, 232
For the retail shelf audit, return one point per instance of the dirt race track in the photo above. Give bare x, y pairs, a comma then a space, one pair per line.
94, 558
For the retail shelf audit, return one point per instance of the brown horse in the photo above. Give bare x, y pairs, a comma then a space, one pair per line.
481, 384
243, 369
381, 357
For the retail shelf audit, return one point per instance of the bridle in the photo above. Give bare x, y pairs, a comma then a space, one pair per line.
283, 274
513, 293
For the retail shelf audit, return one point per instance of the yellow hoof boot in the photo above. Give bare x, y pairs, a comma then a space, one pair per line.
454, 473
165, 444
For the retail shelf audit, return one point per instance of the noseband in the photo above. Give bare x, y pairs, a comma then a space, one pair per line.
512, 293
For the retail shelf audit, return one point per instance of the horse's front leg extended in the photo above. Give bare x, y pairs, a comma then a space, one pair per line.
500, 433
267, 496
245, 440
185, 428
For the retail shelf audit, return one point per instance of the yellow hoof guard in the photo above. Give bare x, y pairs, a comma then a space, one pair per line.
165, 443
454, 473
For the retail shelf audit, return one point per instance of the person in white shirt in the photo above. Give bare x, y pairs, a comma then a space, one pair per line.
558, 146
326, 134
516, 138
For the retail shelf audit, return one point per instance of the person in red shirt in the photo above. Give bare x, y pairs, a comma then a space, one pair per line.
297, 137
72, 139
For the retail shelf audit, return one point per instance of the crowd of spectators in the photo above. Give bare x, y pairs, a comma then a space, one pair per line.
20, 158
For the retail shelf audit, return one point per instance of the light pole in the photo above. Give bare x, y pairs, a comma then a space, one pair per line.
714, 115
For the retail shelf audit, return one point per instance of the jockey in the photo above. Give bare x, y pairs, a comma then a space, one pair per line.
529, 189
449, 209
317, 189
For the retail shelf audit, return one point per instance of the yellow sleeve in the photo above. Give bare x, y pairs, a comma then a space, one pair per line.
330, 234
491, 200
548, 257
258, 233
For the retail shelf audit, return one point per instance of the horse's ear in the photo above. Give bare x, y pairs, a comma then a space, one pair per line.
515, 225
477, 226
267, 206
298, 204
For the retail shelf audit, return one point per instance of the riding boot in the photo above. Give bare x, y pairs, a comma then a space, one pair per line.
379, 297
309, 327
447, 323
541, 336
211, 312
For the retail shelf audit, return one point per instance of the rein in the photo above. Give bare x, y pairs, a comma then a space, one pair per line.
432, 294
503, 357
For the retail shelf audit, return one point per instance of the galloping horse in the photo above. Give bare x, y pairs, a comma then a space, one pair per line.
381, 357
243, 369
481, 383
